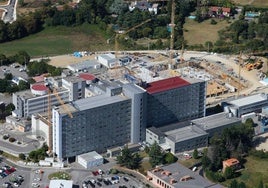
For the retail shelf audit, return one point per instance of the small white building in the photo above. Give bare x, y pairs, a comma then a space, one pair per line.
89, 160
108, 60
61, 183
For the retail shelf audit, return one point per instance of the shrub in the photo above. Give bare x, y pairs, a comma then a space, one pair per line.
12, 139
5, 137
213, 22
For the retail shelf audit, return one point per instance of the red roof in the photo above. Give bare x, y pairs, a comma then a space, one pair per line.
166, 84
224, 9
39, 87
87, 76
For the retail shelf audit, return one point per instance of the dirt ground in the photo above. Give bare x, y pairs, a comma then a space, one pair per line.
65, 60
263, 142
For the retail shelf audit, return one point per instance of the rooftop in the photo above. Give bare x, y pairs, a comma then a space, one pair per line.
231, 162
133, 88
185, 133
87, 76
249, 100
215, 120
97, 101
72, 79
61, 183
107, 56
91, 156
84, 65
166, 84
27, 94
175, 172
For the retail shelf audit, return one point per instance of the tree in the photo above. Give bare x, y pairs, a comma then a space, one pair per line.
22, 156
195, 154
170, 158
128, 159
233, 184
260, 185
229, 173
8, 76
156, 155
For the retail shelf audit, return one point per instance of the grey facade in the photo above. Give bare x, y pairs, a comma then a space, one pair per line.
245, 105
189, 135
27, 104
186, 139
138, 111
215, 124
76, 87
98, 123
177, 104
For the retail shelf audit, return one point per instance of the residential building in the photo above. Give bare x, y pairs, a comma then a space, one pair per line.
174, 100
144, 6
177, 176
232, 163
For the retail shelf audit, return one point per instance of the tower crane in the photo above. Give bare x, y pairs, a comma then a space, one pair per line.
172, 34
123, 33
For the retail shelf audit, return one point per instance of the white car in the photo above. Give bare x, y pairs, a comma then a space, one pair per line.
35, 185
37, 179
16, 184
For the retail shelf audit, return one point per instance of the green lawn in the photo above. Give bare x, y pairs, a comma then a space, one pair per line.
256, 3
199, 33
255, 170
59, 40
59, 175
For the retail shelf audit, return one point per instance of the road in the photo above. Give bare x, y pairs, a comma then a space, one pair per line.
10, 11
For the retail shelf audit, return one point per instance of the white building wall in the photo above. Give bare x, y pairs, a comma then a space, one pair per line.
57, 133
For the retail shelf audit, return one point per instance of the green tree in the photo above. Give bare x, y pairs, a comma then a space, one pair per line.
241, 185
8, 76
128, 159
23, 85
233, 184
195, 154
229, 173
170, 158
22, 156
156, 155
260, 185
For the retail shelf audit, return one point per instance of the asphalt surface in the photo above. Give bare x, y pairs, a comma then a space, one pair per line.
27, 142
10, 11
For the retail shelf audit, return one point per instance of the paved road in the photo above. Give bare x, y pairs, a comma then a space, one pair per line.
10, 14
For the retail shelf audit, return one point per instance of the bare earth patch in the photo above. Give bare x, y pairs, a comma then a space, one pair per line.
65, 60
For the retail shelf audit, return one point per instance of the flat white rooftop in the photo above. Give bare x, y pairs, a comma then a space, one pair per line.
90, 156
249, 100
61, 183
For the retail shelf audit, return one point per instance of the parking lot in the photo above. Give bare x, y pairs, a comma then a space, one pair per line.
13, 177
101, 178
16, 70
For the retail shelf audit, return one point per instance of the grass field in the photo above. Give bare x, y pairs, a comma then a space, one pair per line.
59, 40
255, 170
257, 3
199, 33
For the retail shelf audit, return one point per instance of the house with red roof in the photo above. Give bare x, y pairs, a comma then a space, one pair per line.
220, 11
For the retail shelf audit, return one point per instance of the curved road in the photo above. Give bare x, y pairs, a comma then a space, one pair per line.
9, 11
